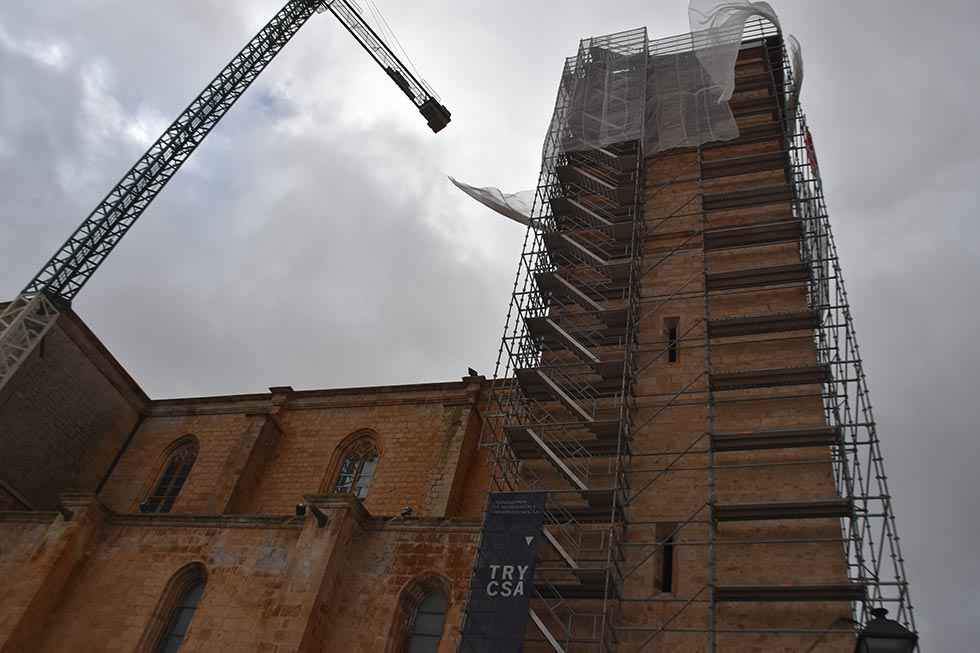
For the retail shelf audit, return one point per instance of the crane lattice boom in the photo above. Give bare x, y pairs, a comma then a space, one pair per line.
24, 321
416, 89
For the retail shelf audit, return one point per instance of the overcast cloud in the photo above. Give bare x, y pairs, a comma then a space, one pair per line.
313, 240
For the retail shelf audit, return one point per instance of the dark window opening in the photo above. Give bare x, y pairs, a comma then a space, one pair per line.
180, 619
357, 470
670, 332
666, 572
667, 565
427, 624
171, 481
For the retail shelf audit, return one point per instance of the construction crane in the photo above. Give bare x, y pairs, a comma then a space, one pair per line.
24, 321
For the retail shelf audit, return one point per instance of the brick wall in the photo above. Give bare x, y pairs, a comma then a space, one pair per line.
144, 457
112, 597
382, 562
10, 500
755, 553
65, 415
427, 436
20, 536
412, 435
272, 584
93, 577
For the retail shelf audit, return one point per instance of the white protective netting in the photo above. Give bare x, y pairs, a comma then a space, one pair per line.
623, 89
716, 31
668, 93
796, 58
606, 91
685, 109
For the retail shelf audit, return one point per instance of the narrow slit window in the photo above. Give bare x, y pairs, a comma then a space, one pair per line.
670, 333
666, 580
667, 565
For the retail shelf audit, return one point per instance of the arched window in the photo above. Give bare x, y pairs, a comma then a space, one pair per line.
420, 615
168, 627
427, 623
356, 471
172, 477
180, 619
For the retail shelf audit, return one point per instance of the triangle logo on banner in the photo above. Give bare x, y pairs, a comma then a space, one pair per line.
528, 539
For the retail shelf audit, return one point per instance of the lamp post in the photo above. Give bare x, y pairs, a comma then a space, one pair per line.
882, 635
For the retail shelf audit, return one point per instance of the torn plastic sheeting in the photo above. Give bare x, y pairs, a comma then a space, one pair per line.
516, 206
796, 57
684, 108
716, 32
717, 29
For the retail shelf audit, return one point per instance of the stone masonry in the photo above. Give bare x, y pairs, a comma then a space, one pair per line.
84, 569
82, 447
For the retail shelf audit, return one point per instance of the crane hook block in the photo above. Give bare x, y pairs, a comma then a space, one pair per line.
437, 115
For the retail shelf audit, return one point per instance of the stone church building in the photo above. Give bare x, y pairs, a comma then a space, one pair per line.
682, 394
323, 520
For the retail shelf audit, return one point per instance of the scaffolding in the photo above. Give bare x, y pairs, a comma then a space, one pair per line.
679, 374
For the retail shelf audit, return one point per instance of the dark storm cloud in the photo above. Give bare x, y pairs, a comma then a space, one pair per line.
313, 240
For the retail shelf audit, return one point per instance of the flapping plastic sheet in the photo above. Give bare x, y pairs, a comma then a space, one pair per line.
796, 57
716, 32
622, 87
516, 206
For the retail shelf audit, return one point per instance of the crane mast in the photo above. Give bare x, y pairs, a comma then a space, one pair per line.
25, 321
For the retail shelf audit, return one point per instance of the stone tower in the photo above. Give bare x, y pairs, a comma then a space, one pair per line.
679, 374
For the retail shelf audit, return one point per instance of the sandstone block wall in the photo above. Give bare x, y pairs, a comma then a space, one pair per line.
65, 415
676, 412
95, 576
427, 437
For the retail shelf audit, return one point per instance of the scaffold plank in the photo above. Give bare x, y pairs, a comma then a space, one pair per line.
741, 165
756, 277
821, 436
744, 198
740, 380
823, 509
763, 593
751, 325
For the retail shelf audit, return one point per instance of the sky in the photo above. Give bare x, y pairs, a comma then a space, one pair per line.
314, 240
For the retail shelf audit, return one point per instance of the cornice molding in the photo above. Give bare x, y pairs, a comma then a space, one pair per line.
376, 524
28, 516
170, 520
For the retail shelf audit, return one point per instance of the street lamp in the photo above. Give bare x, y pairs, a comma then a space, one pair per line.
881, 635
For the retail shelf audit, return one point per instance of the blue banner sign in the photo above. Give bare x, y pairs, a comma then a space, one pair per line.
503, 577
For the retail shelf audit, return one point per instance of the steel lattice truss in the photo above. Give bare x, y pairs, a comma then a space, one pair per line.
873, 548
85, 250
24, 321
28, 318
577, 289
